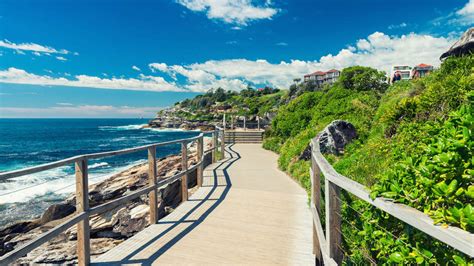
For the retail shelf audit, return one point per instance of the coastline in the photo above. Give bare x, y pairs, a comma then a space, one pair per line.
107, 229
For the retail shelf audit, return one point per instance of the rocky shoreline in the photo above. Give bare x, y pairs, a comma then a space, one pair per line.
167, 119
107, 229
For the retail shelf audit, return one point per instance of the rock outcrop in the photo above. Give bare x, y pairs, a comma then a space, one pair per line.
109, 228
333, 138
336, 136
464, 46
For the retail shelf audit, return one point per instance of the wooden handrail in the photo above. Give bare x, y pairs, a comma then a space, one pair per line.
329, 245
47, 166
43, 238
82, 200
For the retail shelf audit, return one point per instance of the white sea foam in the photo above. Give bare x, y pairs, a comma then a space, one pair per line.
60, 181
115, 128
120, 139
97, 165
171, 130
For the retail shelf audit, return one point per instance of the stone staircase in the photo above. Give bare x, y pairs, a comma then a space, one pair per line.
250, 136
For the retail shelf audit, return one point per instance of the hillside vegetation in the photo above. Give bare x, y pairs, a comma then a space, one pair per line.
415, 145
248, 102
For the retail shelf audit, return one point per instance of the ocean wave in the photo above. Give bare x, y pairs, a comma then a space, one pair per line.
59, 181
97, 165
117, 128
120, 139
171, 130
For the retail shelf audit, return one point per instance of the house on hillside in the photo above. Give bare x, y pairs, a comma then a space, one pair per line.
421, 70
404, 72
401, 71
320, 78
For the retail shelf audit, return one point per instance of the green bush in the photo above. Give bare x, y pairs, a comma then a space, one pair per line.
415, 146
361, 78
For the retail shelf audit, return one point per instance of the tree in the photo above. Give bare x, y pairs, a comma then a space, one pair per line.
219, 95
361, 78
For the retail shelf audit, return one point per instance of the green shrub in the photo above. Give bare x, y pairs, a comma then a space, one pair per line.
415, 145
362, 78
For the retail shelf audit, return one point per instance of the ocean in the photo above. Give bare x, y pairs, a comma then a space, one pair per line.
29, 142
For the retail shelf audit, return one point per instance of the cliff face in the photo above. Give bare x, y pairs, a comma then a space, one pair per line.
109, 228
205, 111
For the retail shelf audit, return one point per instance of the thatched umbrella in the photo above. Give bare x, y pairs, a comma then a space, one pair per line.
463, 46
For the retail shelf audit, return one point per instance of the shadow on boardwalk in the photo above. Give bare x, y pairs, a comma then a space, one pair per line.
213, 185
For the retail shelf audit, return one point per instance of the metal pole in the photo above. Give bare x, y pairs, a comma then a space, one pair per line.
184, 168
223, 144
245, 124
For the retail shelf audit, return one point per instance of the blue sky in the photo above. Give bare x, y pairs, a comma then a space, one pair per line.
124, 58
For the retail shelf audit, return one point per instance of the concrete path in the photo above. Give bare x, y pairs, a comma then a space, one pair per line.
247, 212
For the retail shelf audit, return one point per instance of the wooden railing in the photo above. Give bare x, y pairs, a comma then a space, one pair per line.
327, 245
84, 211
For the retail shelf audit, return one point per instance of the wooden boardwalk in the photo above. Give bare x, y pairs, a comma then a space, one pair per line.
247, 212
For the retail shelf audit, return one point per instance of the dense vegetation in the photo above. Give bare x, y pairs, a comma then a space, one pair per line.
249, 102
415, 145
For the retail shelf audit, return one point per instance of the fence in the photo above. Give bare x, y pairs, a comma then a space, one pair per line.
84, 211
327, 245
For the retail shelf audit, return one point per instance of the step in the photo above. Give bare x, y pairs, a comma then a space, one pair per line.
247, 139
242, 133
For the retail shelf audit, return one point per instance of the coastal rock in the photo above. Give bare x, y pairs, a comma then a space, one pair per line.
128, 226
109, 228
333, 138
464, 46
336, 136
57, 211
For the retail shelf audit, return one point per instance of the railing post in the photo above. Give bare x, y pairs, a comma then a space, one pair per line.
214, 145
184, 166
333, 221
200, 169
153, 195
316, 202
222, 144
258, 123
245, 123
82, 205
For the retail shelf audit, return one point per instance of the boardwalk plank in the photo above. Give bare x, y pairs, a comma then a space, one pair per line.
246, 212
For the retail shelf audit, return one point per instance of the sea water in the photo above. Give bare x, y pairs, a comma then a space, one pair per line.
30, 142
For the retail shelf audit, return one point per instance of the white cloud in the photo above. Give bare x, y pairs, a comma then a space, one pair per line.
144, 83
461, 17
60, 58
282, 44
397, 26
467, 13
31, 47
239, 12
158, 66
79, 111
136, 68
378, 50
